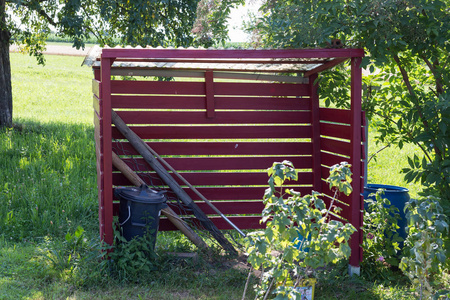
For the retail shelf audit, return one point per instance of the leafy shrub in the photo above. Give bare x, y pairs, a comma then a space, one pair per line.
76, 259
133, 260
299, 235
427, 226
381, 240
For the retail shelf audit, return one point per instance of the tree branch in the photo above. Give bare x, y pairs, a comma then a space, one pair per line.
93, 31
379, 150
41, 12
438, 79
416, 102
409, 134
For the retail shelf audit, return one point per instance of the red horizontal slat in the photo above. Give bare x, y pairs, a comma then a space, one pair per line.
157, 102
198, 88
224, 163
222, 178
181, 72
269, 103
218, 132
220, 148
157, 87
363, 152
190, 102
328, 159
96, 87
260, 89
335, 130
96, 104
335, 115
236, 193
98, 152
97, 124
335, 146
248, 222
225, 207
223, 54
222, 117
325, 172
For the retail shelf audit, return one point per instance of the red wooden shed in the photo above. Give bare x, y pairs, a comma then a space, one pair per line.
227, 116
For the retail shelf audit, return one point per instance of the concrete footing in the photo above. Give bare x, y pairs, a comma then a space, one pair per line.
352, 270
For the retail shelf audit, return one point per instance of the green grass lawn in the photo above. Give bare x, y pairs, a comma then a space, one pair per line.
59, 92
48, 189
386, 166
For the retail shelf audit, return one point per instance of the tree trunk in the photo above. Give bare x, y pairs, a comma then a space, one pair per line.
5, 72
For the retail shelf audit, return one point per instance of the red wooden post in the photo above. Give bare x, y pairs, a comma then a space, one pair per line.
355, 157
315, 134
106, 209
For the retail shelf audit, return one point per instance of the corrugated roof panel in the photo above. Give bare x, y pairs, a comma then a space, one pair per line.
213, 62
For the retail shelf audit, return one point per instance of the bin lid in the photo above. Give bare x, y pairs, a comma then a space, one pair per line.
142, 194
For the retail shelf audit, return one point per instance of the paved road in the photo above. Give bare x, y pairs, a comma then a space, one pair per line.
58, 50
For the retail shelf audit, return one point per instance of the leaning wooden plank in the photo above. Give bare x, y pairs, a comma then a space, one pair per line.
141, 147
168, 212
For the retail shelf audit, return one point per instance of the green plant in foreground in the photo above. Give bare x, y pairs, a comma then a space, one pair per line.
76, 259
381, 239
134, 259
67, 257
299, 234
426, 225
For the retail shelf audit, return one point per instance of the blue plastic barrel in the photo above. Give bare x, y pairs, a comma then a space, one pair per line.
398, 196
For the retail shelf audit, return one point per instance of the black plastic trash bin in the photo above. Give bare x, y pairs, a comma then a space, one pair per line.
140, 208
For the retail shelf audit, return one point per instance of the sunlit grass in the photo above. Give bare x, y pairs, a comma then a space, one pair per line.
386, 166
60, 91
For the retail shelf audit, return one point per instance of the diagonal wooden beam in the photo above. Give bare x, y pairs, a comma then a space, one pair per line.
325, 66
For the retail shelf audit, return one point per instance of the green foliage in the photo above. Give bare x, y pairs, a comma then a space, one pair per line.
135, 259
340, 178
144, 23
381, 239
426, 225
407, 93
57, 38
211, 23
76, 259
299, 233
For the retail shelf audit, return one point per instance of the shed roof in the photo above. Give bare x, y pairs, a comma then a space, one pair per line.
136, 60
